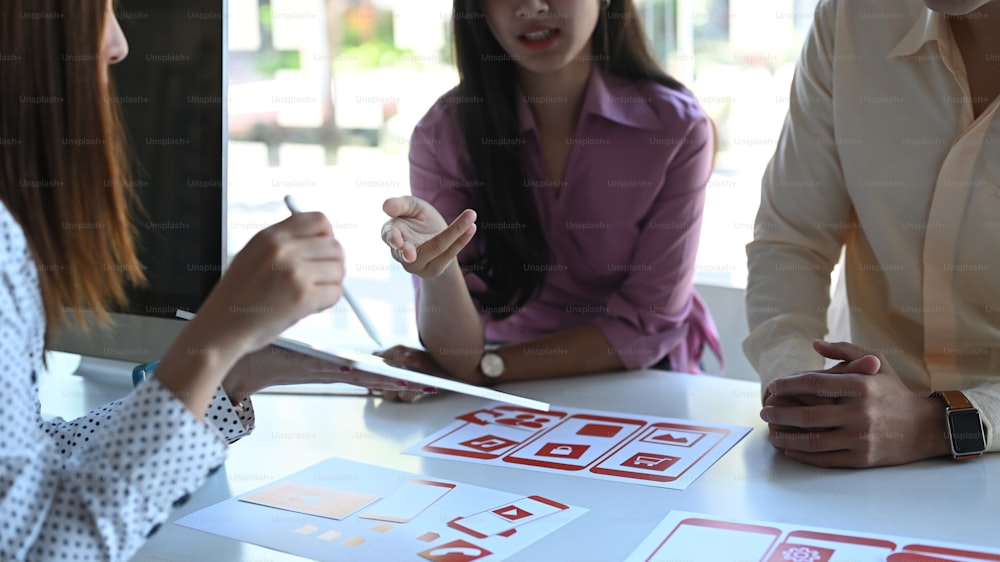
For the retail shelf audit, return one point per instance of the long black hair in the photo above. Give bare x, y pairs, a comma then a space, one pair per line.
515, 253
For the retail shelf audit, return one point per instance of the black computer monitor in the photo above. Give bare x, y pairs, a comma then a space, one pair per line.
172, 92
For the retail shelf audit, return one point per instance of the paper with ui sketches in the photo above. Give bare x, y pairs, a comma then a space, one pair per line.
623, 447
345, 510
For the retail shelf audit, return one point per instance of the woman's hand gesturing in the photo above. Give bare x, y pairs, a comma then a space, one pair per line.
420, 239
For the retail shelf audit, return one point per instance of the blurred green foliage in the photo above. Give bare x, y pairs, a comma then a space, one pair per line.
378, 51
268, 62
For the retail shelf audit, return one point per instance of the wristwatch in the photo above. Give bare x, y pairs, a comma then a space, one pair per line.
965, 427
491, 365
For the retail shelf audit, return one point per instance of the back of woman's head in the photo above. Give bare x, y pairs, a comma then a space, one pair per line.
489, 74
62, 172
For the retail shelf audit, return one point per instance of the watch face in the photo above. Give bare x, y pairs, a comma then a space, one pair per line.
492, 365
966, 432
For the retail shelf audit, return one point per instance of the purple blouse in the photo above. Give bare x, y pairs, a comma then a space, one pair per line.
623, 231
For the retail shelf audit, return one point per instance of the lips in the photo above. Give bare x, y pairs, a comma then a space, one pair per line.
539, 37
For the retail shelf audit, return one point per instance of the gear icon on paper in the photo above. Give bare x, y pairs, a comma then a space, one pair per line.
801, 554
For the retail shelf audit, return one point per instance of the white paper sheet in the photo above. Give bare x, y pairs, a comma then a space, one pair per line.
697, 537
378, 514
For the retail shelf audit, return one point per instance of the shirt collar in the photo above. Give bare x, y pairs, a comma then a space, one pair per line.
929, 27
607, 96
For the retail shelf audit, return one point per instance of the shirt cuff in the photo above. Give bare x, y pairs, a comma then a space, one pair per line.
987, 401
232, 421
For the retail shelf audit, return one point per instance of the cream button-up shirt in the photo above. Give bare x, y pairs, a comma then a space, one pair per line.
882, 156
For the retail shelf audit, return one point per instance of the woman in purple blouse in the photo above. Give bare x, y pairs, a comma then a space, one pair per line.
572, 172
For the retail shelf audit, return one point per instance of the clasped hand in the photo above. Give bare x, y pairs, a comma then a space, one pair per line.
855, 414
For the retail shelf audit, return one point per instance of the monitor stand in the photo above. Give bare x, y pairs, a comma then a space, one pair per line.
116, 376
97, 370
73, 386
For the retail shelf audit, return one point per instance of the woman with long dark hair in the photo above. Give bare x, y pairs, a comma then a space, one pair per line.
95, 488
577, 170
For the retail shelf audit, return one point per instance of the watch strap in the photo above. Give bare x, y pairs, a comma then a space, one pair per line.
954, 399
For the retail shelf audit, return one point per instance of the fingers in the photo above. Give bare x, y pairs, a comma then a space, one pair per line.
314, 278
407, 396
442, 259
404, 206
853, 358
395, 353
414, 220
302, 225
842, 351
461, 229
392, 235
318, 249
799, 400
867, 365
807, 417
376, 382
823, 385
402, 250
832, 459
811, 441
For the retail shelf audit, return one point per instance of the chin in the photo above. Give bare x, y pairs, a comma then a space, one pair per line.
549, 63
541, 68
956, 7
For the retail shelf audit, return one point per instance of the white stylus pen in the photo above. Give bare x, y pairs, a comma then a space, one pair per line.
365, 322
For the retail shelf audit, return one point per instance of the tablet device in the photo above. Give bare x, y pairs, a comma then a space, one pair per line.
379, 366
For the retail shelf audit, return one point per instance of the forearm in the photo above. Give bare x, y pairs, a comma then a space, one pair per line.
449, 324
576, 351
193, 368
785, 311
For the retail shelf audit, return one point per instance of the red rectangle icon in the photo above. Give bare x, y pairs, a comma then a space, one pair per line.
575, 443
599, 430
937, 551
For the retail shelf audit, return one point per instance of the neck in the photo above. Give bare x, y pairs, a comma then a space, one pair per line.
981, 29
555, 98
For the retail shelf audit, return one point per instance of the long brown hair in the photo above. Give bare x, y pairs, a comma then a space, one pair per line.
63, 172
486, 73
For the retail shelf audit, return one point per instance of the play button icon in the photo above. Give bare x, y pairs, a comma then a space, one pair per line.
512, 513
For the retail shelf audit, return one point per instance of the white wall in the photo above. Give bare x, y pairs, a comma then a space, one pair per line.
729, 312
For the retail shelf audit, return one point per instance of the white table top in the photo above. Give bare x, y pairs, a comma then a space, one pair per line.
935, 500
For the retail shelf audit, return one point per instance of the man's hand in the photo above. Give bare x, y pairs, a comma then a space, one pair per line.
855, 414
